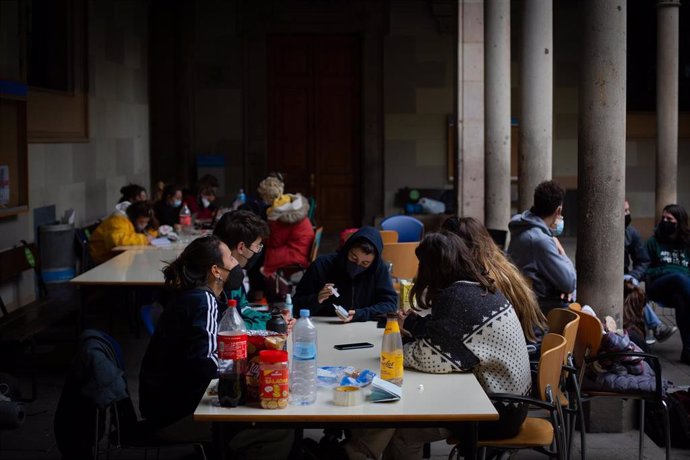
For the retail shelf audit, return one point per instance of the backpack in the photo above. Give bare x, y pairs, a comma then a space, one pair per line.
678, 403
80, 419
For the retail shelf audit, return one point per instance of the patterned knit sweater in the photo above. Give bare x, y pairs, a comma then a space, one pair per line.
471, 329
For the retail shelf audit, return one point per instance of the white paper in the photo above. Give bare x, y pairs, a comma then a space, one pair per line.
160, 242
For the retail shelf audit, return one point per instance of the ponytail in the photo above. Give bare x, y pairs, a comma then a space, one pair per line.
191, 268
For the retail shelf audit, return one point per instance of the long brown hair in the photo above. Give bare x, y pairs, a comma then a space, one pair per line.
444, 259
507, 277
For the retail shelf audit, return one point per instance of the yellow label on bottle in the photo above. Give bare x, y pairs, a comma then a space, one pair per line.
392, 365
392, 327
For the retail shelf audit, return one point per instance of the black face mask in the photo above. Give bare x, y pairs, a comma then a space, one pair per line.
354, 269
628, 219
666, 229
235, 278
251, 260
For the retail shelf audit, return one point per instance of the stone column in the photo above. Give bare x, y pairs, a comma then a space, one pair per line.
536, 84
666, 104
497, 113
601, 157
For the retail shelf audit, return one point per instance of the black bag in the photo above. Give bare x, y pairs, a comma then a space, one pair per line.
678, 404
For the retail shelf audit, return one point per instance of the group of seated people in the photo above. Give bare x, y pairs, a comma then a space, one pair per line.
288, 236
474, 308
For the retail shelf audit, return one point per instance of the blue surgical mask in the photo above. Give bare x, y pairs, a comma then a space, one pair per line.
560, 223
177, 203
140, 228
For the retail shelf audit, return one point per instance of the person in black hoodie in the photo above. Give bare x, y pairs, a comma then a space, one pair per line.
356, 273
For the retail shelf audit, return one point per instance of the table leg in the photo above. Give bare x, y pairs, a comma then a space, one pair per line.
472, 445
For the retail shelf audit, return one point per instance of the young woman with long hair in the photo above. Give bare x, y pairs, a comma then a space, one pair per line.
470, 327
668, 275
506, 276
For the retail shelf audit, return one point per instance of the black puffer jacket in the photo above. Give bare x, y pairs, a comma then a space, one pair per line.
369, 293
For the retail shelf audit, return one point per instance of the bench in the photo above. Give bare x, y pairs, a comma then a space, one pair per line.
20, 326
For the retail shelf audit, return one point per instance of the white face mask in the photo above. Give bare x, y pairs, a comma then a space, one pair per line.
205, 202
140, 228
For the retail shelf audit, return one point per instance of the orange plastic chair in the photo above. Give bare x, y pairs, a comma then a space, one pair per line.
539, 432
403, 258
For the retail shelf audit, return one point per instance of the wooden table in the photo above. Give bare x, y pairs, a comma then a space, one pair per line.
442, 399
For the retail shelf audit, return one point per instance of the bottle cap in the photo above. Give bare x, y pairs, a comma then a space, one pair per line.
273, 356
304, 313
232, 303
288, 298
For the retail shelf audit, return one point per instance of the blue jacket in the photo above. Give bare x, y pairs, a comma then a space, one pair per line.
181, 358
535, 253
370, 293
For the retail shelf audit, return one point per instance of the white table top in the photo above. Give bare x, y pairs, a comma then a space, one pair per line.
131, 268
445, 397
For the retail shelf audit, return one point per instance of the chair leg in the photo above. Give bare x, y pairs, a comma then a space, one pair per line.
667, 429
640, 455
581, 417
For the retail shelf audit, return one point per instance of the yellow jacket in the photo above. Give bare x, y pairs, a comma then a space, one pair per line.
116, 230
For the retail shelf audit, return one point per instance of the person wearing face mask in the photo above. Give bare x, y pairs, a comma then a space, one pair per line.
535, 249
201, 203
181, 358
636, 262
167, 209
127, 226
357, 274
243, 232
668, 275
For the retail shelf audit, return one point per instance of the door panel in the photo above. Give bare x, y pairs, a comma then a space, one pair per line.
314, 136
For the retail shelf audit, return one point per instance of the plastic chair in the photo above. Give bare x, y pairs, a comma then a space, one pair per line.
586, 352
565, 323
409, 229
149, 315
537, 432
389, 236
403, 258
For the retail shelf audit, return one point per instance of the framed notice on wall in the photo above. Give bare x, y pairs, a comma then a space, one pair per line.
14, 196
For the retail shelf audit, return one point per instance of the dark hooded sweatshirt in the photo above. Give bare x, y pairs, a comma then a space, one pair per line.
370, 293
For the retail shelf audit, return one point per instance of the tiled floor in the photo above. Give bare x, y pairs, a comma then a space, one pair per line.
35, 440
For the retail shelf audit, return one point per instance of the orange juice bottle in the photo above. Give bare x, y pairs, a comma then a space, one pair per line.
392, 352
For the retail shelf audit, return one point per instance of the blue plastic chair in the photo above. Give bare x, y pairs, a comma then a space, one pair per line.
409, 229
149, 316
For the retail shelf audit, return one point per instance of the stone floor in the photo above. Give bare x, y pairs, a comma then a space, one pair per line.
35, 440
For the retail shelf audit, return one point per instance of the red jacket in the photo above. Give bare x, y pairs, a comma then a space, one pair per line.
289, 244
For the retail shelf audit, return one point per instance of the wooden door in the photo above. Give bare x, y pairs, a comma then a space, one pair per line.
314, 128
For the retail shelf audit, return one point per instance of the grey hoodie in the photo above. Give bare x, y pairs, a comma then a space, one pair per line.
535, 253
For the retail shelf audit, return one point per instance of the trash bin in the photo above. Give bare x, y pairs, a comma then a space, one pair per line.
56, 249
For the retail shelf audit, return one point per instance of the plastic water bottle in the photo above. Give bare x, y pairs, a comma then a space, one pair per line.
287, 306
303, 372
232, 356
185, 217
242, 197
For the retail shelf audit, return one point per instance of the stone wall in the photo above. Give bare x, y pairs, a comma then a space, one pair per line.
87, 176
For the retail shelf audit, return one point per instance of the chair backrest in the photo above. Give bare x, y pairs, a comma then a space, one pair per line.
389, 236
314, 253
565, 323
588, 341
409, 229
403, 258
550, 364
149, 316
